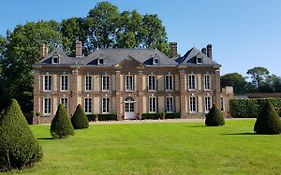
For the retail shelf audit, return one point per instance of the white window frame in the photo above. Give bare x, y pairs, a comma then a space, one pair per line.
47, 107
208, 103
99, 61
192, 79
152, 104
207, 82
64, 82
129, 82
88, 82
64, 101
155, 61
169, 82
169, 104
47, 83
105, 105
193, 107
88, 105
151, 83
105, 80
55, 57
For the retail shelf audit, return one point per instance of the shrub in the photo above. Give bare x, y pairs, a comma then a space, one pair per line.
61, 126
106, 117
92, 117
18, 147
152, 116
214, 117
268, 121
172, 115
79, 119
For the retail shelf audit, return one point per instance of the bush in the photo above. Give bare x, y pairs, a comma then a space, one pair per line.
172, 115
214, 117
106, 117
268, 121
18, 147
152, 116
79, 119
92, 117
61, 126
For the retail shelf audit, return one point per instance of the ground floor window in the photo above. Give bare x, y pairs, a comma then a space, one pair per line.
170, 104
105, 105
152, 105
208, 103
47, 105
192, 104
64, 101
88, 105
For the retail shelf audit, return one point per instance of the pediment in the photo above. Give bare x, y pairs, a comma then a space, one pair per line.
129, 62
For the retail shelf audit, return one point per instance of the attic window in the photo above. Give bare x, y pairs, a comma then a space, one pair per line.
55, 59
101, 61
199, 60
155, 60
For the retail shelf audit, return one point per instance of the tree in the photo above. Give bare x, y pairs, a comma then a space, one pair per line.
18, 147
258, 75
79, 120
236, 80
214, 117
268, 121
61, 126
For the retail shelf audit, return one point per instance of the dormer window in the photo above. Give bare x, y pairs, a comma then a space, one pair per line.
55, 59
199, 60
155, 59
100, 61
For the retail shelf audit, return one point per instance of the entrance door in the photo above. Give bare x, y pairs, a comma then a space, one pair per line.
129, 105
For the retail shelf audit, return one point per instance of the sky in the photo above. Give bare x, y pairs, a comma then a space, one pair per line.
244, 33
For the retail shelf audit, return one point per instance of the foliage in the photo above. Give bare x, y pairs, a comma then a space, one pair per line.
152, 116
258, 75
79, 119
18, 147
92, 117
214, 117
250, 108
268, 121
172, 115
236, 80
106, 117
61, 126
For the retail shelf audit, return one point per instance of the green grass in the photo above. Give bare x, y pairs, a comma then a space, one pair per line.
160, 148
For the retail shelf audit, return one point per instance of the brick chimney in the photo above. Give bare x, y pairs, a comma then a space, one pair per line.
78, 49
210, 51
203, 50
44, 50
174, 49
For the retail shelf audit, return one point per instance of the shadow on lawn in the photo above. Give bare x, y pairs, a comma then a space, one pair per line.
45, 138
242, 133
195, 126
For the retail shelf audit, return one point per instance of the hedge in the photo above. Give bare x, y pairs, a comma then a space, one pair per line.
250, 108
152, 116
172, 115
101, 117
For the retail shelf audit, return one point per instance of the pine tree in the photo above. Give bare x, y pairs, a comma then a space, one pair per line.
79, 120
214, 117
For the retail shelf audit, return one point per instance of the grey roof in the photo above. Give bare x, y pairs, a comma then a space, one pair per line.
64, 59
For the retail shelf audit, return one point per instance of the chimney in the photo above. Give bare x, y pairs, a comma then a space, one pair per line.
78, 49
44, 50
210, 51
174, 49
203, 50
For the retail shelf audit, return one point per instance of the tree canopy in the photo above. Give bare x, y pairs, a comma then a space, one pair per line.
236, 80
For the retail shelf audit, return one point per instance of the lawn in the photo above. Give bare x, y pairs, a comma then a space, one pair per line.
159, 148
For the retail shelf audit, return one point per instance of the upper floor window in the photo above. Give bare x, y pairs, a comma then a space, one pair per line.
47, 105
64, 101
88, 105
101, 61
105, 105
222, 104
47, 79
55, 59
199, 60
192, 104
169, 81
151, 82
64, 83
129, 82
152, 104
208, 103
207, 81
155, 60
88, 82
169, 104
191, 82
105, 82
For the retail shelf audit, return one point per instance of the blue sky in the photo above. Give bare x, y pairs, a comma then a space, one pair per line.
244, 33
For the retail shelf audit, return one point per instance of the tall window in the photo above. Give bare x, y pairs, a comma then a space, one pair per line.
105, 82
151, 82
64, 101
64, 83
47, 82
88, 82
170, 104
207, 81
105, 105
47, 105
222, 104
87, 105
208, 103
152, 104
169, 82
192, 104
191, 82
129, 82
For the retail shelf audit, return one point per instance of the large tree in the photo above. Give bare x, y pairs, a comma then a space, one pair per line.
236, 80
258, 75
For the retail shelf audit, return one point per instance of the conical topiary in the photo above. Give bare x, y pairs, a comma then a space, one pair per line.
79, 120
18, 147
61, 126
214, 117
268, 121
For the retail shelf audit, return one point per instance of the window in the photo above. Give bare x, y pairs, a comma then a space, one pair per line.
47, 105
88, 105
192, 104
222, 104
207, 82
105, 105
88, 83
199, 60
64, 83
170, 104
155, 60
47, 82
191, 82
208, 103
129, 82
151, 82
105, 82
169, 82
55, 59
152, 104
64, 101
100, 61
